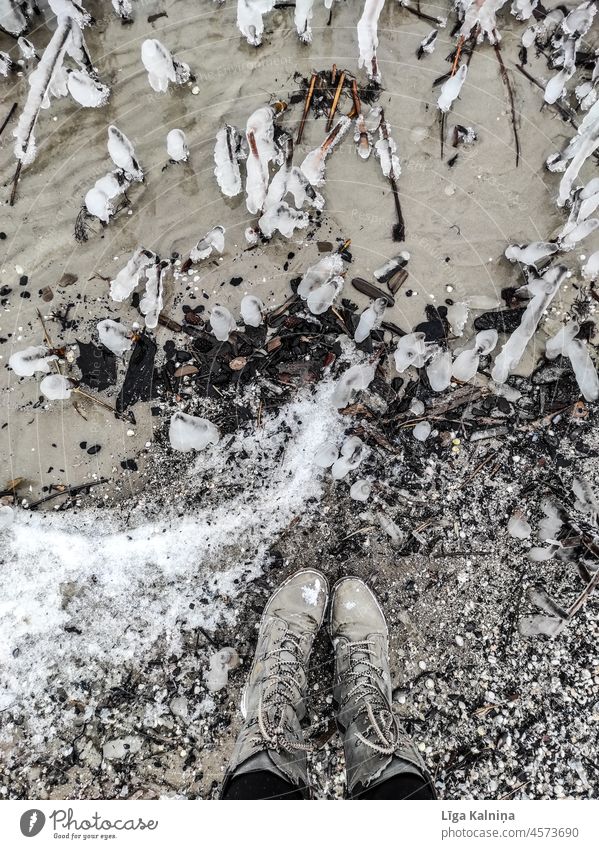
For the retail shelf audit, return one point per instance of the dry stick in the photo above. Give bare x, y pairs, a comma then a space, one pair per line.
421, 15
508, 85
335, 100
399, 230
8, 117
70, 490
355, 97
584, 596
306, 107
15, 182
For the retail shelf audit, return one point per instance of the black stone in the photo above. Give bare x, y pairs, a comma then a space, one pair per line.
97, 365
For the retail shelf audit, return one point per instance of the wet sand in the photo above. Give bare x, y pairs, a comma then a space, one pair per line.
458, 219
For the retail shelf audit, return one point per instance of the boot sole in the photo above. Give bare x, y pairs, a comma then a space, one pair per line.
243, 706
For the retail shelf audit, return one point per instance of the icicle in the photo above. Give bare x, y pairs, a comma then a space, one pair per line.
152, 301
543, 290
26, 48
222, 323
115, 336
191, 433
176, 146
457, 316
326, 455
360, 490
451, 89
161, 65
438, 369
590, 270
214, 240
249, 19
31, 360
319, 300
129, 277
122, 154
368, 38
353, 451
530, 254
85, 90
98, 204
56, 387
355, 379
319, 273
252, 310
411, 351
302, 19
466, 363
565, 343
227, 153
370, 320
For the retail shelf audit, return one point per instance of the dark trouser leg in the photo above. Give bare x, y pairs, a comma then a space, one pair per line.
406, 785
260, 785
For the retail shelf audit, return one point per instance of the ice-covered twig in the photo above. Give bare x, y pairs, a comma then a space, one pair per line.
543, 290
451, 88
262, 151
385, 150
427, 45
566, 343
227, 154
314, 164
580, 147
40, 84
368, 38
302, 19
480, 17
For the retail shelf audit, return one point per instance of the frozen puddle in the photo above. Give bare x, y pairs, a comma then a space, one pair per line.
82, 594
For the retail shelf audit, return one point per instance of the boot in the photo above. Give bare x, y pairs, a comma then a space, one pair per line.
273, 701
376, 746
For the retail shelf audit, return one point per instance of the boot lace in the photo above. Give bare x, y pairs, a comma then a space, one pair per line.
366, 689
280, 690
